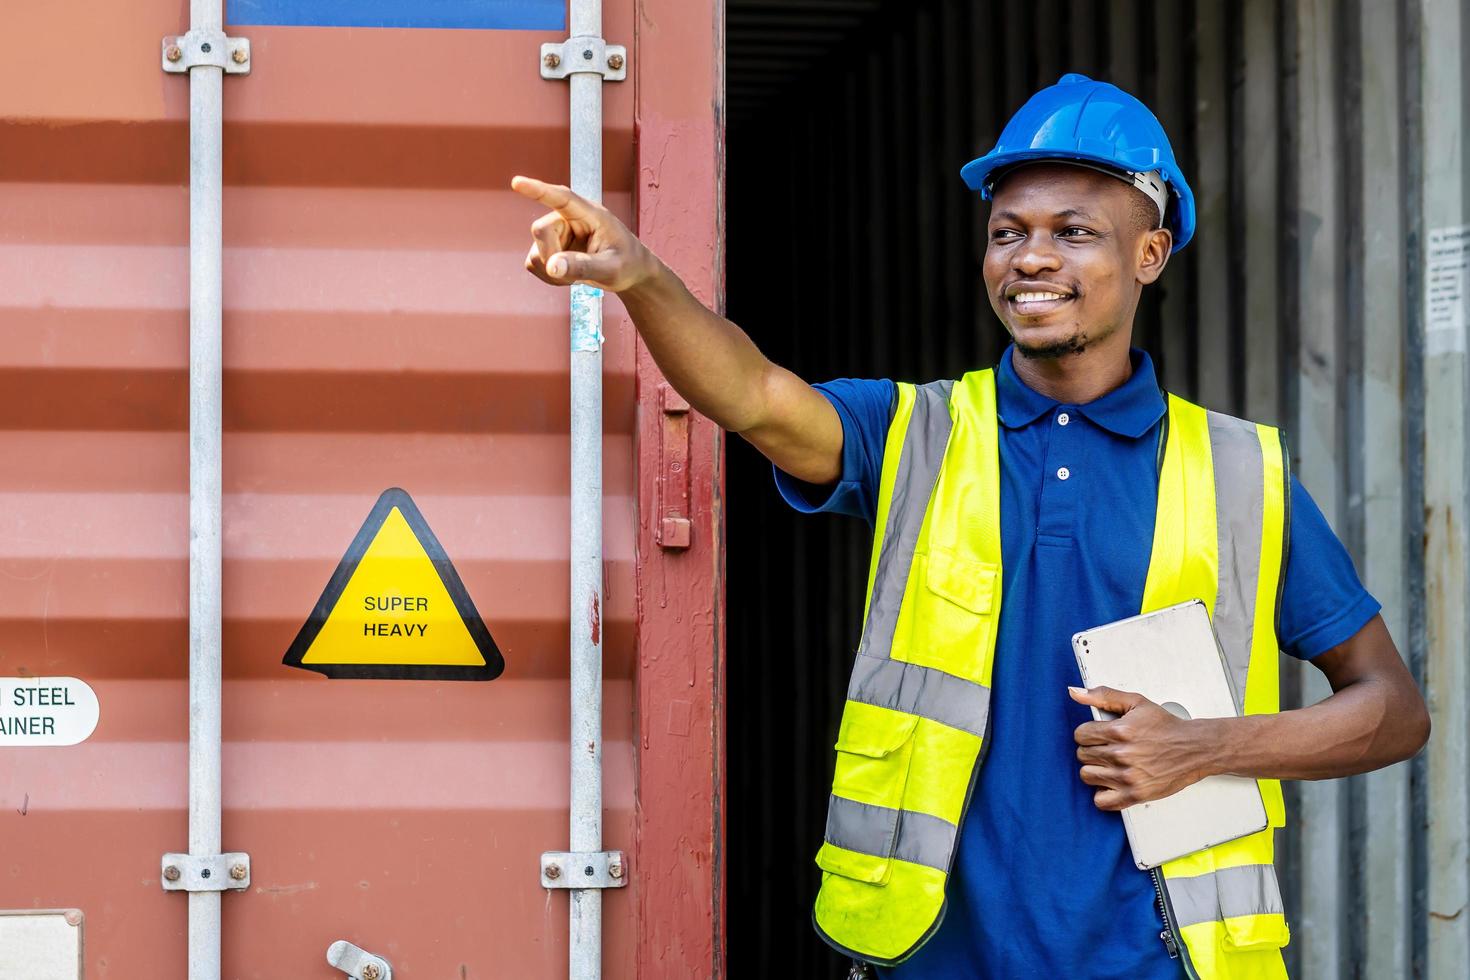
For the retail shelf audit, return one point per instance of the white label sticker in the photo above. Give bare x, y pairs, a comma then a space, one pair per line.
1446, 290
46, 711
41, 944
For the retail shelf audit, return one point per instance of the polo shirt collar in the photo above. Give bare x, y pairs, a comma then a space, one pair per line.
1130, 410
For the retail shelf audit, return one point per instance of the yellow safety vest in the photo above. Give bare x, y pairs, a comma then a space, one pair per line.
914, 727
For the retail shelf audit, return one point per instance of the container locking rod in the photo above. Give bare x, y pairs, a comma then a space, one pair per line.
205, 55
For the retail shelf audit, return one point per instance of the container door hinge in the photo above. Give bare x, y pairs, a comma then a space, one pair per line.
672, 492
584, 53
358, 963
583, 869
206, 873
184, 51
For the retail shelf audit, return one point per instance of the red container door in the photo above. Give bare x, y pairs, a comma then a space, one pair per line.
379, 332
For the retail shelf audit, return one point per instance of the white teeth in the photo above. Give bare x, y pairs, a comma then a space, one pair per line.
1037, 297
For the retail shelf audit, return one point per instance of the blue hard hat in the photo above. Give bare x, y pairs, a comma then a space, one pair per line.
1080, 119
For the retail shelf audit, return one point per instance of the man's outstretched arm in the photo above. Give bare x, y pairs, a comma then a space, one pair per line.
708, 359
1374, 718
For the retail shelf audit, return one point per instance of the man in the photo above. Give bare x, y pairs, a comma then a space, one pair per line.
973, 827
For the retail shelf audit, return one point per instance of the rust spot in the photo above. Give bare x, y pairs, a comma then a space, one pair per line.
594, 618
306, 886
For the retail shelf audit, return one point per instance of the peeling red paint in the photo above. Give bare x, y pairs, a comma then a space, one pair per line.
594, 619
679, 889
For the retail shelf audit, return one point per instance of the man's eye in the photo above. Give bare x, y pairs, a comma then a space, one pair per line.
1004, 234
1076, 231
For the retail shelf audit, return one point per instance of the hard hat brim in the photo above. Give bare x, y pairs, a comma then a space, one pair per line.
980, 174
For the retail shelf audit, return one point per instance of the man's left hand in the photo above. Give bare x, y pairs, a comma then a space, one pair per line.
1144, 754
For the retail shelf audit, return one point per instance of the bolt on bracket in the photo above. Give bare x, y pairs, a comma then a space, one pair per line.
583, 869
206, 873
198, 48
358, 963
585, 53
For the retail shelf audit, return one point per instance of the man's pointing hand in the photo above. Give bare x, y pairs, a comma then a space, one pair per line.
578, 240
706, 358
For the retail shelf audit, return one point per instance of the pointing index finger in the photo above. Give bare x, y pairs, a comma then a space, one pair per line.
555, 196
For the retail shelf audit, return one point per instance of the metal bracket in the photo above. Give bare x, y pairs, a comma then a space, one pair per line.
213, 48
583, 869
358, 963
585, 53
209, 873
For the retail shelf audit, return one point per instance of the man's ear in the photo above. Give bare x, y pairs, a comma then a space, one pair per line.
1155, 247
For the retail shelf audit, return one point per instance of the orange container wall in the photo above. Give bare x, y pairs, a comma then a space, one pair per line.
379, 331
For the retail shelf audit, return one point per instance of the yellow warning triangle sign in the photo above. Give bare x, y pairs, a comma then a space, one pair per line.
395, 608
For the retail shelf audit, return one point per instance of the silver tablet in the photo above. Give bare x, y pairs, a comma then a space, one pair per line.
1173, 658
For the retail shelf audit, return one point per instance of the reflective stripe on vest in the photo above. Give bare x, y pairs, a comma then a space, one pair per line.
1244, 890
1226, 900
920, 838
909, 747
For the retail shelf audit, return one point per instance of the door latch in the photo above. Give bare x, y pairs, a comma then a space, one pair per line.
674, 526
358, 963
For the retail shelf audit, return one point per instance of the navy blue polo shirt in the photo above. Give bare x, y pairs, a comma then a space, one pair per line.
1043, 883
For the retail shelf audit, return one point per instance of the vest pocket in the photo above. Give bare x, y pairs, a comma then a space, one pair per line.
1245, 900
874, 749
874, 752
871, 868
966, 582
1252, 932
1247, 897
1275, 807
953, 617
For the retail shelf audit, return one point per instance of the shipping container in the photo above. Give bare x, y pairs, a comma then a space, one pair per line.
379, 331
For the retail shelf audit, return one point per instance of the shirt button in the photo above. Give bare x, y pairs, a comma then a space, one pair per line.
1063, 473
1063, 419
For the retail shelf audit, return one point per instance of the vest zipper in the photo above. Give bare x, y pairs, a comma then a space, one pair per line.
1173, 941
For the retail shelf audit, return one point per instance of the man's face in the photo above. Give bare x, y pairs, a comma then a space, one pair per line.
1067, 252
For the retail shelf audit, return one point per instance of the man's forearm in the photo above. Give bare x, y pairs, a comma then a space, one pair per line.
708, 360
1355, 730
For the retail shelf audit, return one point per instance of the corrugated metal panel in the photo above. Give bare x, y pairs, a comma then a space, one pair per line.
1439, 32
1324, 139
379, 331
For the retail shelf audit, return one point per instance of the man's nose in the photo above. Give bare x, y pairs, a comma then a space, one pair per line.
1037, 254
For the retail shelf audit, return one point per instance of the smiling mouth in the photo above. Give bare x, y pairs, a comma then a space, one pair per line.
1035, 302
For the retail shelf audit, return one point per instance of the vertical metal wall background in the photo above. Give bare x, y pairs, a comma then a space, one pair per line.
1324, 139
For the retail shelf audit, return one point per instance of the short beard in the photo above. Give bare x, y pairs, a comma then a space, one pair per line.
1075, 344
